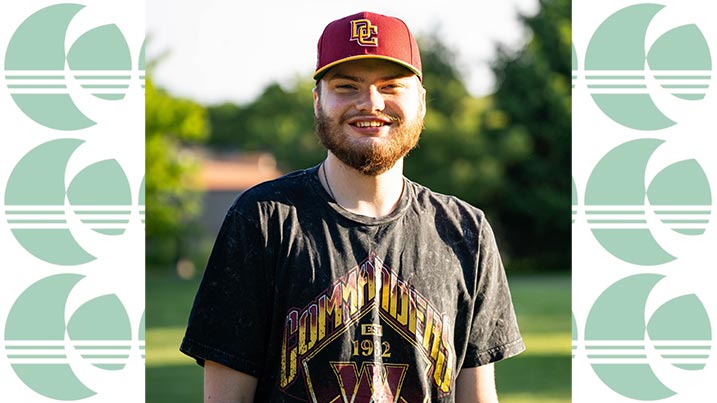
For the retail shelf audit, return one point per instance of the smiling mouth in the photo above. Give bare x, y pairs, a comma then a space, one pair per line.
364, 124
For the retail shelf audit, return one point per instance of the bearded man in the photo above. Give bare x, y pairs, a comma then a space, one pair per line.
347, 281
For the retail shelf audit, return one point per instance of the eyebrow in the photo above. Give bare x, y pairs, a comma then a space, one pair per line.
341, 76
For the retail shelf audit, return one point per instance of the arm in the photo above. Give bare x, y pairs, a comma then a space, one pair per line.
476, 385
225, 385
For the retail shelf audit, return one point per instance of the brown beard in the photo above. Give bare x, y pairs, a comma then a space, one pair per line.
369, 159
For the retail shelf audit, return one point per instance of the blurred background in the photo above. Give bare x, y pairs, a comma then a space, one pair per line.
228, 105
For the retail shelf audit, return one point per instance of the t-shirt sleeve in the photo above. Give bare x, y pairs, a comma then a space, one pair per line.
228, 323
494, 333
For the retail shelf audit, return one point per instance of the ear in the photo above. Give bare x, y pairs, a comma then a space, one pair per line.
315, 93
423, 101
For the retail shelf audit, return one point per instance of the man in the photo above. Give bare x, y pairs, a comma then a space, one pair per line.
347, 282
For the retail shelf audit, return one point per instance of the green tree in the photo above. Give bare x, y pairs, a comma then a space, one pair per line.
450, 156
280, 121
529, 125
172, 199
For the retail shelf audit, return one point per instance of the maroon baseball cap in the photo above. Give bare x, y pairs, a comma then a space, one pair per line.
367, 35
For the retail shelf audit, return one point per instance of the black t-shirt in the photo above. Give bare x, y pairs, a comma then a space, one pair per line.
322, 304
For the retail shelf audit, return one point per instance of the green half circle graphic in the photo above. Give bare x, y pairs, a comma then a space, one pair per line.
102, 184
36, 187
619, 312
102, 49
682, 183
102, 319
636, 111
39, 177
681, 48
619, 42
39, 42
633, 245
684, 191
619, 177
636, 381
39, 312
619, 315
56, 111
56, 246
681, 322
39, 45
616, 188
56, 381
39, 315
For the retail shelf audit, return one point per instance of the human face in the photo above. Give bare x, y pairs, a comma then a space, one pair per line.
369, 113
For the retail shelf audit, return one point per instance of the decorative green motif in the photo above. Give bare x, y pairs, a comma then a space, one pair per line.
622, 347
99, 331
617, 212
618, 68
99, 196
99, 62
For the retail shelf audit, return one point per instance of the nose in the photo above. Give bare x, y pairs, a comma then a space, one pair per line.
371, 100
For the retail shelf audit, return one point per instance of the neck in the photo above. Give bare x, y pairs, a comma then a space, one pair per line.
373, 196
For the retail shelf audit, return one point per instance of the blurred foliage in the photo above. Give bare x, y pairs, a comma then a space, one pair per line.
279, 121
172, 200
529, 125
507, 153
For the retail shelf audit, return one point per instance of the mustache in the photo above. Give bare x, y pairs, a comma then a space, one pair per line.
385, 116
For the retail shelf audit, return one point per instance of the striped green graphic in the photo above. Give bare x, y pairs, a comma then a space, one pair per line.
574, 334
574, 63
622, 76
622, 344
99, 334
142, 338
99, 63
35, 202
574, 198
142, 207
620, 208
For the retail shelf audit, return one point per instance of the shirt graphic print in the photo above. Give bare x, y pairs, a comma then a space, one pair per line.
396, 339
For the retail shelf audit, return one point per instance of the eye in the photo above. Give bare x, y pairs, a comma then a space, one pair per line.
391, 87
345, 88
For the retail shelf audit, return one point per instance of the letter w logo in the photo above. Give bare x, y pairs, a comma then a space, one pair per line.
363, 32
373, 383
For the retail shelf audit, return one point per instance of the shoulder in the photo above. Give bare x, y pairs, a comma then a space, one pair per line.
432, 201
283, 192
452, 216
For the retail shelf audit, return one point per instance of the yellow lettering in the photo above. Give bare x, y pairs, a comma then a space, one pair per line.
288, 354
350, 297
307, 324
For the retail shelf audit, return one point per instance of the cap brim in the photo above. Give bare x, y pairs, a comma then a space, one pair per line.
320, 72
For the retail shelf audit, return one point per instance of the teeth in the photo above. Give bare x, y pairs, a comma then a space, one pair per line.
369, 124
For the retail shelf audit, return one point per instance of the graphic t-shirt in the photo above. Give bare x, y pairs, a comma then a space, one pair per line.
323, 305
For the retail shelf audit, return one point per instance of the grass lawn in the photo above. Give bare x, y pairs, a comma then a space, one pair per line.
542, 373
539, 375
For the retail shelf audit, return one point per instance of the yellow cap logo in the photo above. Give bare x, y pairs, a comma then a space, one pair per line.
364, 33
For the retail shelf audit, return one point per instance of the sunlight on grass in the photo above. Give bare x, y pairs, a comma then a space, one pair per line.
163, 347
531, 398
539, 375
548, 343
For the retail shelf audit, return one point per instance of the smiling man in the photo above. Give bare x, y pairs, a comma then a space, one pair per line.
347, 282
